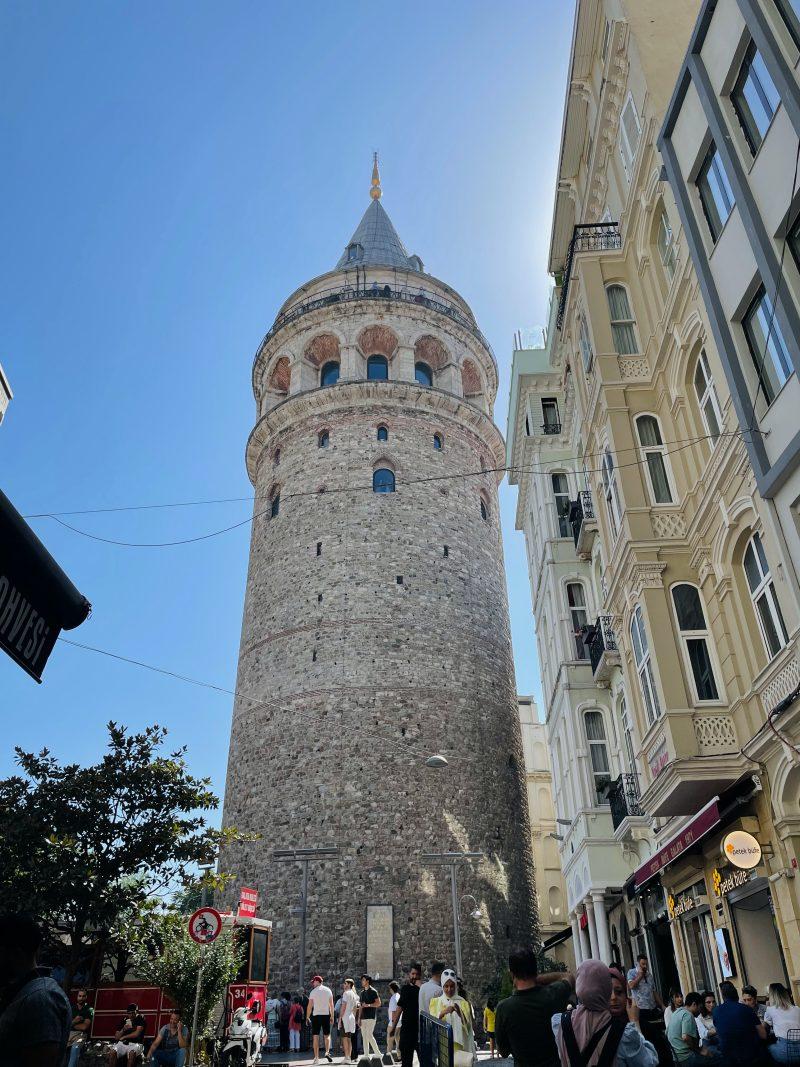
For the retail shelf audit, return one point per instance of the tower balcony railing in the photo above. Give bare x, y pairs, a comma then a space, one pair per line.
593, 237
583, 522
345, 294
603, 650
623, 797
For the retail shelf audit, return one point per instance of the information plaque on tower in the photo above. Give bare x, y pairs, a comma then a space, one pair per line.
380, 941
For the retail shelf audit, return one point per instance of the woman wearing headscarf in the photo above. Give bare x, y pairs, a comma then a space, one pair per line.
450, 1008
589, 1035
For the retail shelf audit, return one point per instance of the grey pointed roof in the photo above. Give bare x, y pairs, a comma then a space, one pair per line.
375, 243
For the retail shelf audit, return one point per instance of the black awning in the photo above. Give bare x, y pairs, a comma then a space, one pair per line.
557, 939
37, 599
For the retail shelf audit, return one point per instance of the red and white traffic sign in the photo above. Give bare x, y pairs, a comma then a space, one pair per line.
205, 925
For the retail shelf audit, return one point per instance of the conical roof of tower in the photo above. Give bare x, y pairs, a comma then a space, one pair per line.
375, 242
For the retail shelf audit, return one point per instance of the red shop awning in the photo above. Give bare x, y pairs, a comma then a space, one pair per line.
705, 820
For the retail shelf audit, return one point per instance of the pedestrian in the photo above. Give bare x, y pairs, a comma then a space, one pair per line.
284, 1013
750, 998
347, 1016
368, 1003
456, 1010
81, 1025
705, 1020
320, 1012
296, 1017
392, 1036
522, 1025
171, 1043
675, 1002
488, 1024
644, 992
589, 1035
432, 988
682, 1032
740, 1035
35, 1014
634, 1049
406, 1015
782, 1016
129, 1038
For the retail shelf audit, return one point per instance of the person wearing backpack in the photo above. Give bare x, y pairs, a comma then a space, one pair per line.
284, 1012
296, 1020
589, 1035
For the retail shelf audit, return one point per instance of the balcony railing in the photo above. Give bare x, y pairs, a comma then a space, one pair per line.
600, 639
579, 511
597, 237
623, 796
550, 429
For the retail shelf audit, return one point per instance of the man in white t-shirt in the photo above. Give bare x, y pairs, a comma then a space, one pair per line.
432, 988
320, 1012
347, 1017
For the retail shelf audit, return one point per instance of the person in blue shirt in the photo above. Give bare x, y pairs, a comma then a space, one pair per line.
741, 1036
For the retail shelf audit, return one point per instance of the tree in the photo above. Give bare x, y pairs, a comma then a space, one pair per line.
163, 954
80, 846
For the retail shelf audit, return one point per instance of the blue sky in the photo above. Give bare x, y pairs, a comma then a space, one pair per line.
171, 172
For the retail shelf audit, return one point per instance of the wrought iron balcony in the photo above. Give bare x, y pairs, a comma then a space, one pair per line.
583, 522
594, 237
603, 651
623, 796
551, 428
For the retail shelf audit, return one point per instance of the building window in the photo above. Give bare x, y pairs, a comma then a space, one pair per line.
275, 505
606, 35
695, 640
383, 480
353, 252
666, 244
527, 426
329, 375
423, 374
630, 130
707, 396
622, 321
323, 440
767, 346
587, 352
611, 492
790, 10
598, 754
377, 369
484, 510
561, 497
762, 593
793, 238
551, 422
576, 601
644, 666
715, 191
655, 457
627, 733
755, 98
437, 442
383, 433
276, 457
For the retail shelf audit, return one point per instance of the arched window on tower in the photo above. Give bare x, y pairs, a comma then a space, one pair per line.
377, 369
423, 374
383, 433
383, 480
437, 442
484, 508
323, 440
329, 375
275, 504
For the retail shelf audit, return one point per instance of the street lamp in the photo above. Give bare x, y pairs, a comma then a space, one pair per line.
304, 856
451, 860
476, 912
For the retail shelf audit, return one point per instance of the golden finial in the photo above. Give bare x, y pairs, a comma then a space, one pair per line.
375, 191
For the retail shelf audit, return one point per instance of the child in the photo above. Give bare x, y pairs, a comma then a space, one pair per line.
488, 1024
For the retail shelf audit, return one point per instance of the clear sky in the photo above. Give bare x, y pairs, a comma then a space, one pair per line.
171, 172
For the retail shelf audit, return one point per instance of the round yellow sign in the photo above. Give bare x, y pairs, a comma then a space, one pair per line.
741, 849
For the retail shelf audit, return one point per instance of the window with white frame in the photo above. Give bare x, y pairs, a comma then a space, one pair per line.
561, 497
578, 619
623, 324
707, 396
587, 352
551, 420
630, 131
695, 641
627, 735
666, 244
644, 666
762, 593
654, 453
598, 754
611, 492
606, 36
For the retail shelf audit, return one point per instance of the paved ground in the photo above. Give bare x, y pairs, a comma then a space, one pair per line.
305, 1059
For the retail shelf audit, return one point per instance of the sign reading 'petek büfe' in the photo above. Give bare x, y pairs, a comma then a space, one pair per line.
741, 849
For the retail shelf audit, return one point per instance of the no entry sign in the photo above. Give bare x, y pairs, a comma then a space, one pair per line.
205, 925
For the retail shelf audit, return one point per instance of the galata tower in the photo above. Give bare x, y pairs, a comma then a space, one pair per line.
376, 632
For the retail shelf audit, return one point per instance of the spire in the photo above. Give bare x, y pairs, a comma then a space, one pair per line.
375, 242
375, 192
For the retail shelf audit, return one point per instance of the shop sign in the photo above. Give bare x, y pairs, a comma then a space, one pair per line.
741, 849
681, 905
724, 881
704, 821
658, 758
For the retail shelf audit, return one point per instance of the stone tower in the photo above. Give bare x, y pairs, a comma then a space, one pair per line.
376, 628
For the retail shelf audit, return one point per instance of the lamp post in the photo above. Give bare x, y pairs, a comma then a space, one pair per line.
451, 860
303, 856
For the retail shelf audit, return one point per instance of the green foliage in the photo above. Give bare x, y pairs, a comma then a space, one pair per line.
502, 986
81, 846
163, 954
